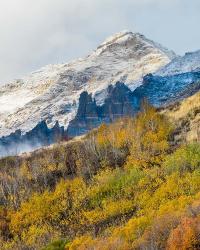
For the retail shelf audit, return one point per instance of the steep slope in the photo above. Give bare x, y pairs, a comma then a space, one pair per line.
123, 178
52, 93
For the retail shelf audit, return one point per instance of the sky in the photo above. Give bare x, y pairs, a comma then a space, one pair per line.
34, 33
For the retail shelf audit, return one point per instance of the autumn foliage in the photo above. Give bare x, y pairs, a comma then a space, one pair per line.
125, 186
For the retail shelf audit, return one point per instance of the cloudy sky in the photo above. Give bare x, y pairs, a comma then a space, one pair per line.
34, 33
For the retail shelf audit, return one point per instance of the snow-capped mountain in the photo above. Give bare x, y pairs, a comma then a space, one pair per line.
52, 93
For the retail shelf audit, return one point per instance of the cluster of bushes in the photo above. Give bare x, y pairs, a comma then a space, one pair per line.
122, 187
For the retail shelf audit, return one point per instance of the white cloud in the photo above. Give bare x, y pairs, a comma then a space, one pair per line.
36, 32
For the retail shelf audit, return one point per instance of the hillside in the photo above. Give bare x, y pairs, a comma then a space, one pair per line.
123, 186
186, 116
130, 181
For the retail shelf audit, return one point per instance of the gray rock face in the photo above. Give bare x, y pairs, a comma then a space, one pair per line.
119, 102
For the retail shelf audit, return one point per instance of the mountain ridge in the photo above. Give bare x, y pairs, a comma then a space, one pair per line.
52, 93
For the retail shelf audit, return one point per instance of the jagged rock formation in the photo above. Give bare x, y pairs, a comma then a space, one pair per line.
119, 102
39, 136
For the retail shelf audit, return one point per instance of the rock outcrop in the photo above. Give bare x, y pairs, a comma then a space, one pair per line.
39, 136
120, 102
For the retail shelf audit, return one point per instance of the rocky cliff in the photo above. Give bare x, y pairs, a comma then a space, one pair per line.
119, 102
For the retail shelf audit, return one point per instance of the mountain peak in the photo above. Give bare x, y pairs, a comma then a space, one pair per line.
137, 40
118, 37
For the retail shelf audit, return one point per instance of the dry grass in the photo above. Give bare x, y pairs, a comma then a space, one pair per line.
186, 116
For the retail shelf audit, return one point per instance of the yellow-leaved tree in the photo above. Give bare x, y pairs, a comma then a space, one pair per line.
150, 137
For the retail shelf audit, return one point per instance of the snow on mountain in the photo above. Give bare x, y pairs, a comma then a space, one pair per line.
187, 63
52, 92
19, 92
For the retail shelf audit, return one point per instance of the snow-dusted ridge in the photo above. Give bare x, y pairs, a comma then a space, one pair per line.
187, 63
52, 92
